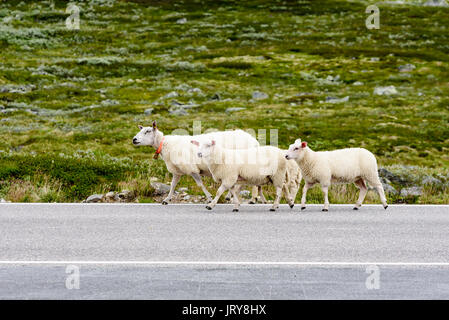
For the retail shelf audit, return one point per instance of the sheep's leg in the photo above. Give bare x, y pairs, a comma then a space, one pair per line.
325, 189
277, 200
235, 199
293, 192
307, 186
363, 190
228, 196
262, 197
380, 190
254, 193
199, 182
288, 195
220, 191
174, 182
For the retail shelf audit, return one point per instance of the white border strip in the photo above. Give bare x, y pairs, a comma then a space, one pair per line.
75, 204
225, 263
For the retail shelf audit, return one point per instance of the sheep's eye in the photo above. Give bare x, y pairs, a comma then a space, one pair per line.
148, 131
296, 148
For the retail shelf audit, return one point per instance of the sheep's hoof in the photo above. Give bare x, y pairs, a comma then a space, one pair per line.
385, 207
164, 202
272, 209
325, 210
235, 210
303, 208
292, 205
208, 207
228, 199
252, 202
355, 208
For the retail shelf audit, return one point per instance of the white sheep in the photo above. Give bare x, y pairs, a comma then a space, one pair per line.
180, 157
254, 166
353, 165
292, 183
292, 180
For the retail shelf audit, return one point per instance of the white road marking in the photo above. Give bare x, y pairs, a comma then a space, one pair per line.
242, 263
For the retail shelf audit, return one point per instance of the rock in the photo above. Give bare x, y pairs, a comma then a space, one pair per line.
245, 194
374, 59
187, 197
183, 189
170, 95
330, 78
406, 67
195, 90
216, 97
110, 195
258, 95
181, 21
358, 83
178, 111
17, 88
384, 173
336, 100
389, 189
436, 3
160, 188
229, 110
125, 195
148, 111
109, 102
94, 198
429, 180
385, 91
411, 192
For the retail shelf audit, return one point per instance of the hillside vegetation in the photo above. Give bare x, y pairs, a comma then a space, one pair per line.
71, 100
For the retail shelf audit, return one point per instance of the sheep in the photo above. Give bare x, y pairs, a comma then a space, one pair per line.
255, 166
292, 182
355, 165
180, 157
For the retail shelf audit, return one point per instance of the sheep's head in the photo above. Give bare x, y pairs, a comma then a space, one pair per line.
205, 148
296, 150
146, 136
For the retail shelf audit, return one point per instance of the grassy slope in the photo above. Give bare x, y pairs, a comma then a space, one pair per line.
69, 135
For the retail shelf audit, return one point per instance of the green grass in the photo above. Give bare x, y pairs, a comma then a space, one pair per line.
91, 86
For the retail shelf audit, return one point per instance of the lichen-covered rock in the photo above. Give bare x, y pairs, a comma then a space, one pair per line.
160, 188
385, 91
411, 192
94, 198
429, 180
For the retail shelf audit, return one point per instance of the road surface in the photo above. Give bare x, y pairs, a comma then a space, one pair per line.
150, 251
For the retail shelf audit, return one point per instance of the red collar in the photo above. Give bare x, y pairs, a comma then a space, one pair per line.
159, 149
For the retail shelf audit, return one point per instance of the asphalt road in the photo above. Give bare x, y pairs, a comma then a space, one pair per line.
141, 251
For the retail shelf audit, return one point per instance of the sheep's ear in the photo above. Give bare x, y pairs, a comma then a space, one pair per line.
154, 125
298, 141
140, 127
213, 143
195, 143
303, 144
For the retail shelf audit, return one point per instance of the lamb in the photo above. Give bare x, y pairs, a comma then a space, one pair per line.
180, 156
255, 166
355, 165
